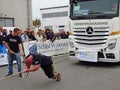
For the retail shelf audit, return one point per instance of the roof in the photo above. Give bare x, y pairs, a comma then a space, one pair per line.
54, 7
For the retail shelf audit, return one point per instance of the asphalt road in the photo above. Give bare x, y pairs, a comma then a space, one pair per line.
75, 76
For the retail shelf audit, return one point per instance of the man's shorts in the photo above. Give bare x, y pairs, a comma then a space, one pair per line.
49, 70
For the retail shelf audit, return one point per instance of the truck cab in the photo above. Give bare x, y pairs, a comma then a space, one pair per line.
95, 28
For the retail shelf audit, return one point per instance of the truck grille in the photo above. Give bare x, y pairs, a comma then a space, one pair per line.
98, 37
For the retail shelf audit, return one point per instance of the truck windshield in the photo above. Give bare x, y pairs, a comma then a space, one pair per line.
93, 9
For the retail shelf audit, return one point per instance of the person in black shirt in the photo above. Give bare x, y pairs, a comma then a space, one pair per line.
47, 33
32, 35
45, 62
1, 39
4, 34
14, 45
2, 42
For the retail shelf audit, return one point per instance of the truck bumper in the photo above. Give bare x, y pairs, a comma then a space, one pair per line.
102, 56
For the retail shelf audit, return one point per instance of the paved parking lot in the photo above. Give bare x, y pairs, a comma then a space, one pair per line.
75, 76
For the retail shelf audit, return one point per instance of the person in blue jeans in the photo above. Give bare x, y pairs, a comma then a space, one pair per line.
14, 45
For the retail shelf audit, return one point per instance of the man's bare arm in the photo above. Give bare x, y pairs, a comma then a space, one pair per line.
32, 69
21, 49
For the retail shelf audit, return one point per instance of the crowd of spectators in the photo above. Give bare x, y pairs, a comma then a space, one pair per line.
30, 35
43, 35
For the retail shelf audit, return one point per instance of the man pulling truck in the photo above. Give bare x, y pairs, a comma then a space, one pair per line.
39, 60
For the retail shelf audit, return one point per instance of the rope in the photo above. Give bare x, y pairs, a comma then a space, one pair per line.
25, 76
60, 61
10, 75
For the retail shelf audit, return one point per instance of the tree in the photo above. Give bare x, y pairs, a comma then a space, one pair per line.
36, 23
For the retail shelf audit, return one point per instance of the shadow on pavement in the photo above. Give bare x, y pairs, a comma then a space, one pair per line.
97, 64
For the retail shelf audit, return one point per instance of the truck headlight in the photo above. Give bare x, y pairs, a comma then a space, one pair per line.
112, 44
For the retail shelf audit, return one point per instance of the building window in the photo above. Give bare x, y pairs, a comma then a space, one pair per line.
48, 15
55, 14
61, 26
48, 27
7, 22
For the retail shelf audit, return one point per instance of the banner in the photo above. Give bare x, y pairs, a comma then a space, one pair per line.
3, 55
48, 48
53, 48
27, 45
3, 49
3, 59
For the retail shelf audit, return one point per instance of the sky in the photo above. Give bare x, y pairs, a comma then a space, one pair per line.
38, 4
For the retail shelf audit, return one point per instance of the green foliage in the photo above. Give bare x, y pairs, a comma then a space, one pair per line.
36, 23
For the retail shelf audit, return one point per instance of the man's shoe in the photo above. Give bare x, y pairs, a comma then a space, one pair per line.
58, 77
20, 74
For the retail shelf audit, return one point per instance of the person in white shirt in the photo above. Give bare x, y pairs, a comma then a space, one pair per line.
39, 35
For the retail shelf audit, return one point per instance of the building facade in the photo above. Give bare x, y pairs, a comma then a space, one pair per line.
16, 13
55, 18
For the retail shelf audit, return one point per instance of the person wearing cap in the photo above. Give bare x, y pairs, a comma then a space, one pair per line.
40, 61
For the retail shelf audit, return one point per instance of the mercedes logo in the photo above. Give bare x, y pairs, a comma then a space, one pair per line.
89, 30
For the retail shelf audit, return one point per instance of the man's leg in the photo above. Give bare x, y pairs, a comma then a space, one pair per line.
49, 71
10, 63
57, 76
18, 59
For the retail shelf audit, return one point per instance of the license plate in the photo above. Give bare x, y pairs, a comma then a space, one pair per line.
88, 56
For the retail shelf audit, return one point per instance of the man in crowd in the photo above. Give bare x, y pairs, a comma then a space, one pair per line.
14, 45
1, 36
25, 37
28, 32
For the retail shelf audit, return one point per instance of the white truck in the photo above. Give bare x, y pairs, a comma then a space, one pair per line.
95, 27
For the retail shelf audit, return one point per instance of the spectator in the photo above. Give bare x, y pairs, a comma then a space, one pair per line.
32, 35
10, 32
63, 35
52, 36
47, 33
1, 36
14, 46
39, 35
25, 37
28, 32
4, 34
44, 36
1, 30
20, 32
67, 34
57, 36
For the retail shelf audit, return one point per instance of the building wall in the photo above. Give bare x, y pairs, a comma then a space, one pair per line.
55, 22
17, 9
